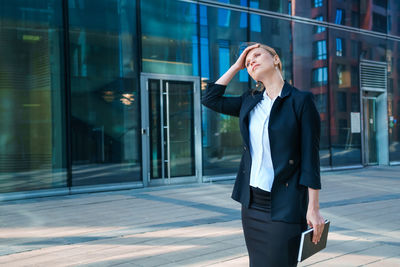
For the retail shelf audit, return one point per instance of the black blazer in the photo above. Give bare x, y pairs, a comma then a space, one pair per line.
294, 133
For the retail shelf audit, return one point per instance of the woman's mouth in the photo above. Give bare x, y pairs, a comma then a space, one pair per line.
254, 67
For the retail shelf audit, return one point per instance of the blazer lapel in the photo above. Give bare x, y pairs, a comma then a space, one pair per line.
249, 104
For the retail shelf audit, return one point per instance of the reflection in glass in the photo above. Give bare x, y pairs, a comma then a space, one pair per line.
32, 140
339, 18
394, 99
310, 73
179, 110
220, 47
345, 95
370, 130
319, 29
171, 115
339, 47
319, 50
169, 37
105, 109
156, 133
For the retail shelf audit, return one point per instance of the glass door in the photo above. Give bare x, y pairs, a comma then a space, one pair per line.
170, 129
370, 129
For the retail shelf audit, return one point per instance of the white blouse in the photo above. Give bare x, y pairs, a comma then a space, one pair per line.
262, 170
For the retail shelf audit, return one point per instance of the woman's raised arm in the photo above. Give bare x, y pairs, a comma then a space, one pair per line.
213, 96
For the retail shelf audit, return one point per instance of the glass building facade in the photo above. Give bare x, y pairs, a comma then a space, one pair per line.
101, 95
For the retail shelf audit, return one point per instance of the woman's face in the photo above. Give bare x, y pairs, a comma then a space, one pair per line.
259, 62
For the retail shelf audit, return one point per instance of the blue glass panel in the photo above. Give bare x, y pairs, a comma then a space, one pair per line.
204, 56
223, 17
339, 47
255, 20
243, 20
338, 18
195, 55
203, 15
243, 16
223, 60
320, 28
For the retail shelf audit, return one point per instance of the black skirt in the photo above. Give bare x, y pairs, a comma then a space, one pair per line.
269, 243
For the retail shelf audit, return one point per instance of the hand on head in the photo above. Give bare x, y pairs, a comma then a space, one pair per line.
240, 62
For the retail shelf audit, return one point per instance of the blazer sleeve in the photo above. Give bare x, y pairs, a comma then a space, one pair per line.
213, 98
310, 135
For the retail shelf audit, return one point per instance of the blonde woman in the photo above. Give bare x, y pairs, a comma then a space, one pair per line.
278, 180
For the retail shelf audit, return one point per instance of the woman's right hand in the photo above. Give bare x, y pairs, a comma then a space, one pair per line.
240, 62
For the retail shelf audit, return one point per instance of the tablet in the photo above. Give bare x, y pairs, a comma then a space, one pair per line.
307, 247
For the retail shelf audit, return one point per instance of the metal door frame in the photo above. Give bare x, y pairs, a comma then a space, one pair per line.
365, 133
144, 97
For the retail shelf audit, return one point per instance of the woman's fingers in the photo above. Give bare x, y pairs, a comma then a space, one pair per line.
242, 57
318, 229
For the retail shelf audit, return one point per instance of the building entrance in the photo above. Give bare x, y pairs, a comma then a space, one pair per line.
170, 129
370, 130
374, 109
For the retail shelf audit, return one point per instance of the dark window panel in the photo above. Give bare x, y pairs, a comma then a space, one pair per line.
104, 93
32, 117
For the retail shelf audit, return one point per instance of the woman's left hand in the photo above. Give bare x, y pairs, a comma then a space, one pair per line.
315, 220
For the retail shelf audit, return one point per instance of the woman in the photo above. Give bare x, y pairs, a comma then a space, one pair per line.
278, 180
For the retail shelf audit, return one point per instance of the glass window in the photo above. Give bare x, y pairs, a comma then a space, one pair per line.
255, 20
224, 15
280, 6
394, 101
104, 90
379, 22
381, 3
222, 143
319, 50
223, 55
203, 15
321, 102
339, 47
345, 145
355, 19
339, 19
32, 117
319, 29
313, 80
393, 13
169, 36
341, 101
319, 76
343, 78
317, 3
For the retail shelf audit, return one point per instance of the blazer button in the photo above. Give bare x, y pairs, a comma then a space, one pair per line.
291, 162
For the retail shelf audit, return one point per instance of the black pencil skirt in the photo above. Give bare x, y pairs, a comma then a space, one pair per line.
269, 243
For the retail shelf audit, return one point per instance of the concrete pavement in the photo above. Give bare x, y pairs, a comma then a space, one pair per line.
195, 225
